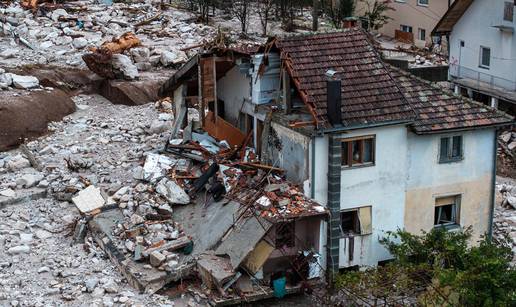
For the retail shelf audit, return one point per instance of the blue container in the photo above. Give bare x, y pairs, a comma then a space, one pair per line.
279, 286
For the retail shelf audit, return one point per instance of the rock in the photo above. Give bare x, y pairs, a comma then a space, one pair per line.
168, 58
156, 258
512, 145
172, 192
140, 54
17, 162
8, 53
158, 126
511, 200
138, 173
26, 238
165, 116
46, 44
8, 193
42, 234
7, 79
89, 199
24, 82
43, 269
110, 287
79, 42
21, 249
124, 64
29, 180
90, 284
57, 13
144, 66
506, 137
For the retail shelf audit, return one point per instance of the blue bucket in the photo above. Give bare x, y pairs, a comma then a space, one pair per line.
279, 286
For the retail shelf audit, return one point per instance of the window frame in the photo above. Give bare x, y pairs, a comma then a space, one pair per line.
358, 222
449, 158
423, 4
419, 31
349, 152
456, 206
408, 27
508, 11
277, 237
481, 57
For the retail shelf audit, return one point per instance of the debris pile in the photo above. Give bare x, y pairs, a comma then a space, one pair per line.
505, 215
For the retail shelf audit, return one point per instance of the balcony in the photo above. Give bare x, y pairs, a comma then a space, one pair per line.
485, 83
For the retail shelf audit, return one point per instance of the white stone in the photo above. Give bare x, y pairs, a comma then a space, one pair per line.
6, 79
89, 199
29, 180
124, 64
24, 82
21, 249
167, 58
8, 193
17, 162
140, 54
79, 42
156, 258
512, 145
172, 192
57, 13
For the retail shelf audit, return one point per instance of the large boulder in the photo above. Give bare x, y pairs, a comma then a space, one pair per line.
124, 64
24, 82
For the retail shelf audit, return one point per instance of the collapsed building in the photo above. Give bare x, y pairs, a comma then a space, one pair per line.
286, 162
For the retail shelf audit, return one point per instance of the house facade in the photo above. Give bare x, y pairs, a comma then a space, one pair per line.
381, 149
482, 50
411, 20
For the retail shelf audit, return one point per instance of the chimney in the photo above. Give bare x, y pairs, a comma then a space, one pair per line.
349, 22
334, 98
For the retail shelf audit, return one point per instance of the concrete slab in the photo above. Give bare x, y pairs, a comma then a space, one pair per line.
23, 195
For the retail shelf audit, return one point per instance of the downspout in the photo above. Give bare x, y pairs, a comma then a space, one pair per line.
493, 187
312, 183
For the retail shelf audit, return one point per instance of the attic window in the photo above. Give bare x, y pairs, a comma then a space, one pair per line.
358, 151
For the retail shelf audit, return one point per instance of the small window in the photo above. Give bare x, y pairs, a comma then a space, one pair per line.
422, 2
446, 211
422, 34
508, 11
358, 151
356, 221
451, 149
405, 28
285, 235
485, 57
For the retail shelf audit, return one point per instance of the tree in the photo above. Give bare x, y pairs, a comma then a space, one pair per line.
375, 13
240, 10
339, 10
264, 11
437, 268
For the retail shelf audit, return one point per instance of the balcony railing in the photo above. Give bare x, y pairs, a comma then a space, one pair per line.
481, 79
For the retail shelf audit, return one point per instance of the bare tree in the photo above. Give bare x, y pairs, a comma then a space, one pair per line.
264, 11
241, 10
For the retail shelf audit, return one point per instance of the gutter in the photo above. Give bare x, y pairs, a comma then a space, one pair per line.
320, 132
493, 187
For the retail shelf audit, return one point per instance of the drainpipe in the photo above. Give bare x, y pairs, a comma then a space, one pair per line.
493, 187
312, 183
333, 203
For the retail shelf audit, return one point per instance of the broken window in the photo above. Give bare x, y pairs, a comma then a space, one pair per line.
508, 11
358, 151
356, 221
285, 235
447, 211
451, 149
485, 57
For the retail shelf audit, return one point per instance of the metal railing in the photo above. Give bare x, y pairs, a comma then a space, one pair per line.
482, 79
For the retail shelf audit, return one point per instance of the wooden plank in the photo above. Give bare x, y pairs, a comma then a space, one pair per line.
222, 130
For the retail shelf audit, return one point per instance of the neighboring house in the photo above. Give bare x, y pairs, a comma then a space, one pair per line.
412, 20
482, 50
380, 148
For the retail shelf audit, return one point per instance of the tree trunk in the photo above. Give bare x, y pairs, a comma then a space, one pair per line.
315, 15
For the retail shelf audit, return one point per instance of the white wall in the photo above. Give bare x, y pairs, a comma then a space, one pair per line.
476, 29
233, 88
381, 186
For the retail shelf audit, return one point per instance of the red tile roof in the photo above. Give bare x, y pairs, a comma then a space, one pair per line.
438, 110
369, 94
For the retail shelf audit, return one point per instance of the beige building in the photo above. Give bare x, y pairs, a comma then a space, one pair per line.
411, 20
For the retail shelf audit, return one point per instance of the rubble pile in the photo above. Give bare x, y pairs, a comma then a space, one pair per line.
60, 33
505, 213
507, 154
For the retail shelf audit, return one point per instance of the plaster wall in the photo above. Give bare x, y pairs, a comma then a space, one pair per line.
233, 88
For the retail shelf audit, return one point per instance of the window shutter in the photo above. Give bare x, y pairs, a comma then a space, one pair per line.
364, 214
443, 201
444, 148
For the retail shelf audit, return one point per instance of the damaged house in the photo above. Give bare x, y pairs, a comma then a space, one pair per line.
378, 147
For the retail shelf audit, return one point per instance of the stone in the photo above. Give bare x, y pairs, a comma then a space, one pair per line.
8, 53
512, 145
42, 234
89, 199
110, 287
8, 193
156, 258
24, 82
143, 66
140, 54
17, 162
167, 58
6, 78
79, 42
124, 64
43, 269
506, 137
58, 13
172, 192
26, 238
90, 284
511, 200
29, 180
158, 126
20, 249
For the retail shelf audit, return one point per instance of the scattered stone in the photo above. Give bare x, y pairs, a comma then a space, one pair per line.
89, 199
24, 82
172, 192
125, 66
21, 249
156, 258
